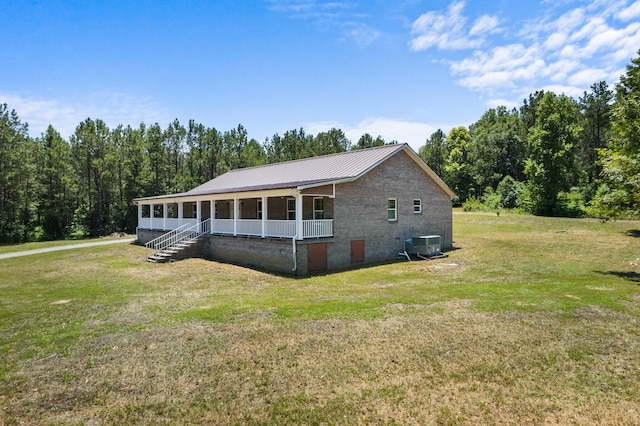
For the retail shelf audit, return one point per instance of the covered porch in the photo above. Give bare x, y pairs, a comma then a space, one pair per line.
279, 214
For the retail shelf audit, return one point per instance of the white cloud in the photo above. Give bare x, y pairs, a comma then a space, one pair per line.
362, 34
448, 30
484, 25
411, 132
65, 116
564, 51
629, 13
587, 77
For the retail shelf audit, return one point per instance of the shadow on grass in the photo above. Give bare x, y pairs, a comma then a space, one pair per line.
627, 275
633, 233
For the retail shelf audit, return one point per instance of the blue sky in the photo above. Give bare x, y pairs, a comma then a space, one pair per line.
399, 69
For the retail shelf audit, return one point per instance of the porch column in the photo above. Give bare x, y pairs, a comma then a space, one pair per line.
299, 225
212, 214
198, 212
180, 213
236, 210
164, 216
264, 216
151, 212
139, 214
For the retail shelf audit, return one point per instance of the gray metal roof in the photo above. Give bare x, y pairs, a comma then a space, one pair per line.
291, 174
312, 171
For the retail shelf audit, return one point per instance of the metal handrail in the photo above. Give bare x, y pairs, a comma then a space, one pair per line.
178, 235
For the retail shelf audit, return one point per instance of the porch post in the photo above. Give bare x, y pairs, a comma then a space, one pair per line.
180, 213
212, 214
164, 216
198, 212
264, 216
139, 214
151, 213
299, 225
235, 216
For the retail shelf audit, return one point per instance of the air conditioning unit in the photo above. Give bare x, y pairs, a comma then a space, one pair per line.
426, 245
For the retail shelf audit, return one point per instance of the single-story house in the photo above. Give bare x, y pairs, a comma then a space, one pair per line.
305, 216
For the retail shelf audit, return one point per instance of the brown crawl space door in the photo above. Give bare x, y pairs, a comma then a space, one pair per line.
317, 257
357, 251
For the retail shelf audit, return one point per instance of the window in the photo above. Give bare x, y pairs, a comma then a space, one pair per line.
392, 209
172, 211
291, 209
158, 210
417, 206
259, 213
318, 208
146, 210
194, 210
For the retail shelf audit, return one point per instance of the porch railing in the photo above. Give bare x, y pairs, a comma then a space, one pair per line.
178, 235
315, 228
274, 228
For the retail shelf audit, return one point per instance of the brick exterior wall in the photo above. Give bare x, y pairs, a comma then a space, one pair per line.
269, 254
360, 210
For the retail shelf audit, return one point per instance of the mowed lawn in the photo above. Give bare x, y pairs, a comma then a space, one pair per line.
529, 321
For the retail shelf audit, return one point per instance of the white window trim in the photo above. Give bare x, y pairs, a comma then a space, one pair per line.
289, 210
259, 209
314, 208
394, 210
419, 206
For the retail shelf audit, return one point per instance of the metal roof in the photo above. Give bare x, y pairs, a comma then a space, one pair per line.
314, 171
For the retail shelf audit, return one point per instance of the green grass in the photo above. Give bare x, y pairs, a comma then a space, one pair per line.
529, 320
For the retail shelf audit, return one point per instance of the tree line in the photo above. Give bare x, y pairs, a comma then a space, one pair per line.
53, 188
555, 155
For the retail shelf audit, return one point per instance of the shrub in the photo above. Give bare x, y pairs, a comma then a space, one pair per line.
473, 204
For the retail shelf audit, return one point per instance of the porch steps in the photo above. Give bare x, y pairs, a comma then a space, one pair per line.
181, 243
179, 251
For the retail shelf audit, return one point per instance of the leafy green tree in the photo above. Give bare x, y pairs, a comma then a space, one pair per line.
620, 193
234, 142
330, 142
435, 151
94, 159
497, 148
596, 107
156, 152
18, 155
253, 154
367, 141
174, 139
457, 171
58, 196
509, 191
529, 113
552, 144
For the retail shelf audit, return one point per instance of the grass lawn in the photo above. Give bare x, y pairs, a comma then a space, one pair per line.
529, 321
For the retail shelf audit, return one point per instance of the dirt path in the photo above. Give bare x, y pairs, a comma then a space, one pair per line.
67, 247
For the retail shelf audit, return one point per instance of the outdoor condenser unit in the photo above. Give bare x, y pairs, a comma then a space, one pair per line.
425, 245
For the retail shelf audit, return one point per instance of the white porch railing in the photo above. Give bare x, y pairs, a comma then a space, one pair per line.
249, 227
164, 224
280, 228
222, 226
316, 228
